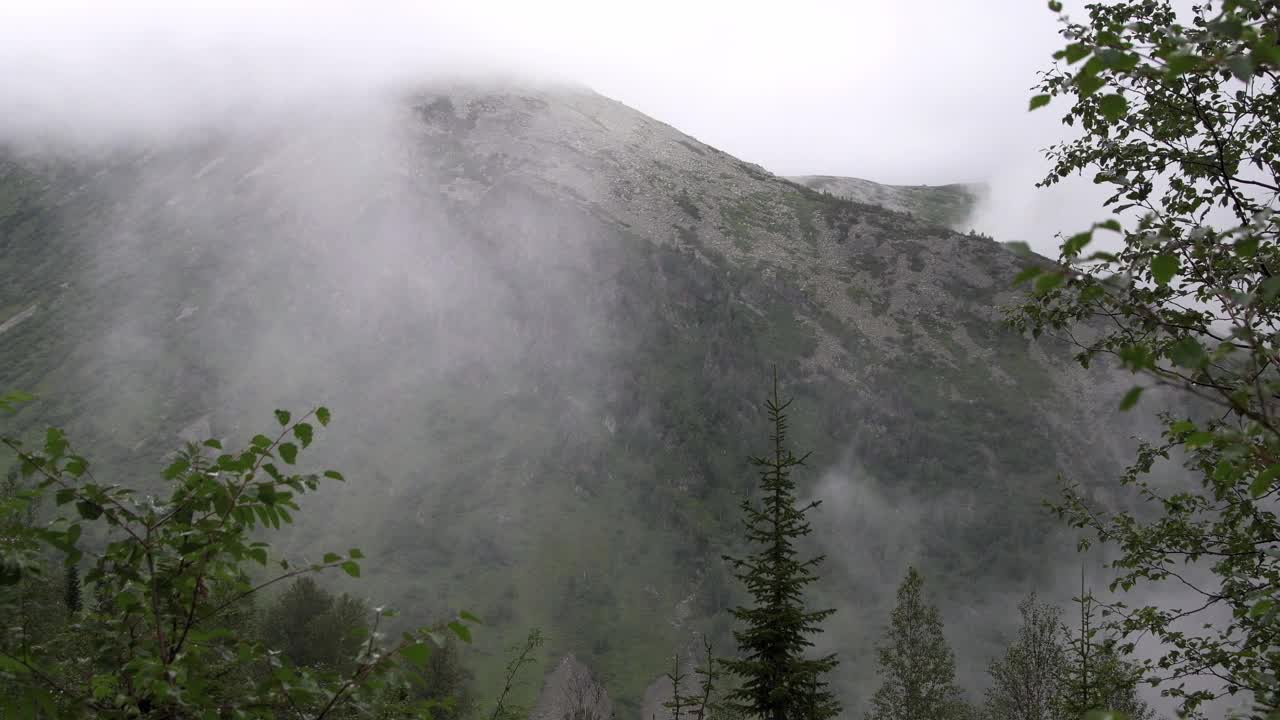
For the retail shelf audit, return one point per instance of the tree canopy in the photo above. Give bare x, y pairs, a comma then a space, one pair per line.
1178, 114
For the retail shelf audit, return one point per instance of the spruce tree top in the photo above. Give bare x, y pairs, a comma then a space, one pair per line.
778, 681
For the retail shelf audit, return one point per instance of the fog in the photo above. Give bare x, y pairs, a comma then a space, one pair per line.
931, 92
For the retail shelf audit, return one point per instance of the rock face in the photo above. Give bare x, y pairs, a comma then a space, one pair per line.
545, 323
571, 692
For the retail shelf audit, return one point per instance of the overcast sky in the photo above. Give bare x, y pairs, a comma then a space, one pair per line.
931, 91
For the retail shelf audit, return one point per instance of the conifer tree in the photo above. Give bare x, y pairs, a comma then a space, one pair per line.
916, 664
777, 679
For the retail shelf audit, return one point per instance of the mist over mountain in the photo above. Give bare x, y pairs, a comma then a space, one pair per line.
545, 322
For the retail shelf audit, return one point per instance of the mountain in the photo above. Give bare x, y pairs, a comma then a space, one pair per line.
545, 323
949, 205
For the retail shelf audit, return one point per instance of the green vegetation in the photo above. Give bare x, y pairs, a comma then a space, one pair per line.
1026, 681
1095, 675
778, 680
1181, 120
1049, 671
917, 667
168, 633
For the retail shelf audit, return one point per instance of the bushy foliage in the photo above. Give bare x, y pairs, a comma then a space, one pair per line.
917, 667
169, 633
1051, 672
1025, 682
1182, 120
1095, 675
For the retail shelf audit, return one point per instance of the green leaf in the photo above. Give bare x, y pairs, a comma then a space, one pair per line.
303, 431
1055, 5
1039, 101
176, 468
334, 475
1163, 268
212, 443
1119, 59
16, 396
322, 414
417, 653
1270, 288
355, 554
1181, 64
260, 441
1075, 52
331, 557
1019, 248
88, 510
259, 554
1263, 482
1026, 275
1198, 439
77, 465
1131, 398
1188, 353
64, 496
1076, 243
1262, 607
351, 567
1088, 84
1113, 107
288, 452
266, 492
462, 631
1092, 293
469, 617
1242, 67
55, 442
221, 501
282, 417
1049, 281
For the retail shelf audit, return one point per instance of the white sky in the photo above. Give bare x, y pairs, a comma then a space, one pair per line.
930, 91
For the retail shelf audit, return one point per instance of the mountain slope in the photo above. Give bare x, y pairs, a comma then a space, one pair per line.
545, 322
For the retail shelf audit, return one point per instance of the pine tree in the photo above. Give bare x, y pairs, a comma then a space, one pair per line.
778, 681
916, 664
1025, 682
